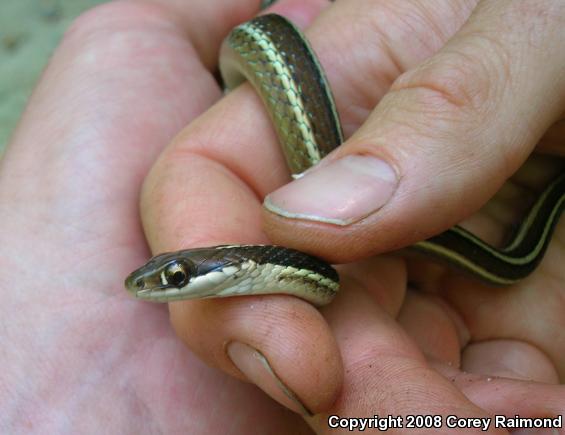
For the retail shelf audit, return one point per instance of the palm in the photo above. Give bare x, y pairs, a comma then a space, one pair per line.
103, 337
70, 234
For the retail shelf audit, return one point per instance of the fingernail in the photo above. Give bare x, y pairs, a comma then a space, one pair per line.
340, 193
257, 369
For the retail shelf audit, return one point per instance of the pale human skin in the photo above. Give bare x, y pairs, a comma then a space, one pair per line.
80, 356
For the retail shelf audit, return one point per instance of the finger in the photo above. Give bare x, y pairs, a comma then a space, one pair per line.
473, 111
378, 275
206, 23
509, 397
210, 21
445, 338
444, 334
206, 189
511, 359
528, 312
236, 328
263, 340
385, 373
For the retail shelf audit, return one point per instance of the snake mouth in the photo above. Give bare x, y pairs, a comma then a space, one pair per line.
164, 294
203, 286
144, 293
153, 292
143, 287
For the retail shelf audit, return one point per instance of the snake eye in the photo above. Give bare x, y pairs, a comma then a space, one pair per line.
176, 275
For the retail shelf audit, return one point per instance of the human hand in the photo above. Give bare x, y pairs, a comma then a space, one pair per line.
57, 210
78, 355
228, 160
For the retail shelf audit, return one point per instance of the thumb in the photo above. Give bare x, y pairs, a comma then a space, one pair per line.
438, 145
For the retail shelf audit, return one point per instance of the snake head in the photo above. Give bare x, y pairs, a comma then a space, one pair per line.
163, 272
186, 274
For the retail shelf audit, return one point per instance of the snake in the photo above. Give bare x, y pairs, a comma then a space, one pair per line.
277, 59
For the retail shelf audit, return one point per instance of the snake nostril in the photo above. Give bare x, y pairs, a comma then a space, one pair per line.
139, 283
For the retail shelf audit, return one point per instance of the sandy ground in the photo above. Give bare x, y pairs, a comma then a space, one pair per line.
29, 31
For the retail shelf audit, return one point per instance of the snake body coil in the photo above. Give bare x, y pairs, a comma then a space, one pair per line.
275, 57
277, 60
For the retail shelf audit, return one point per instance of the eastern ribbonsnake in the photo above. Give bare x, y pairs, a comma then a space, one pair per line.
277, 60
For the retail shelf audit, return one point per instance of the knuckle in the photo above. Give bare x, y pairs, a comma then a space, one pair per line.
382, 56
447, 80
468, 81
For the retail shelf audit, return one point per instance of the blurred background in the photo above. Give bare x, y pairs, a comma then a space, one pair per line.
29, 32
